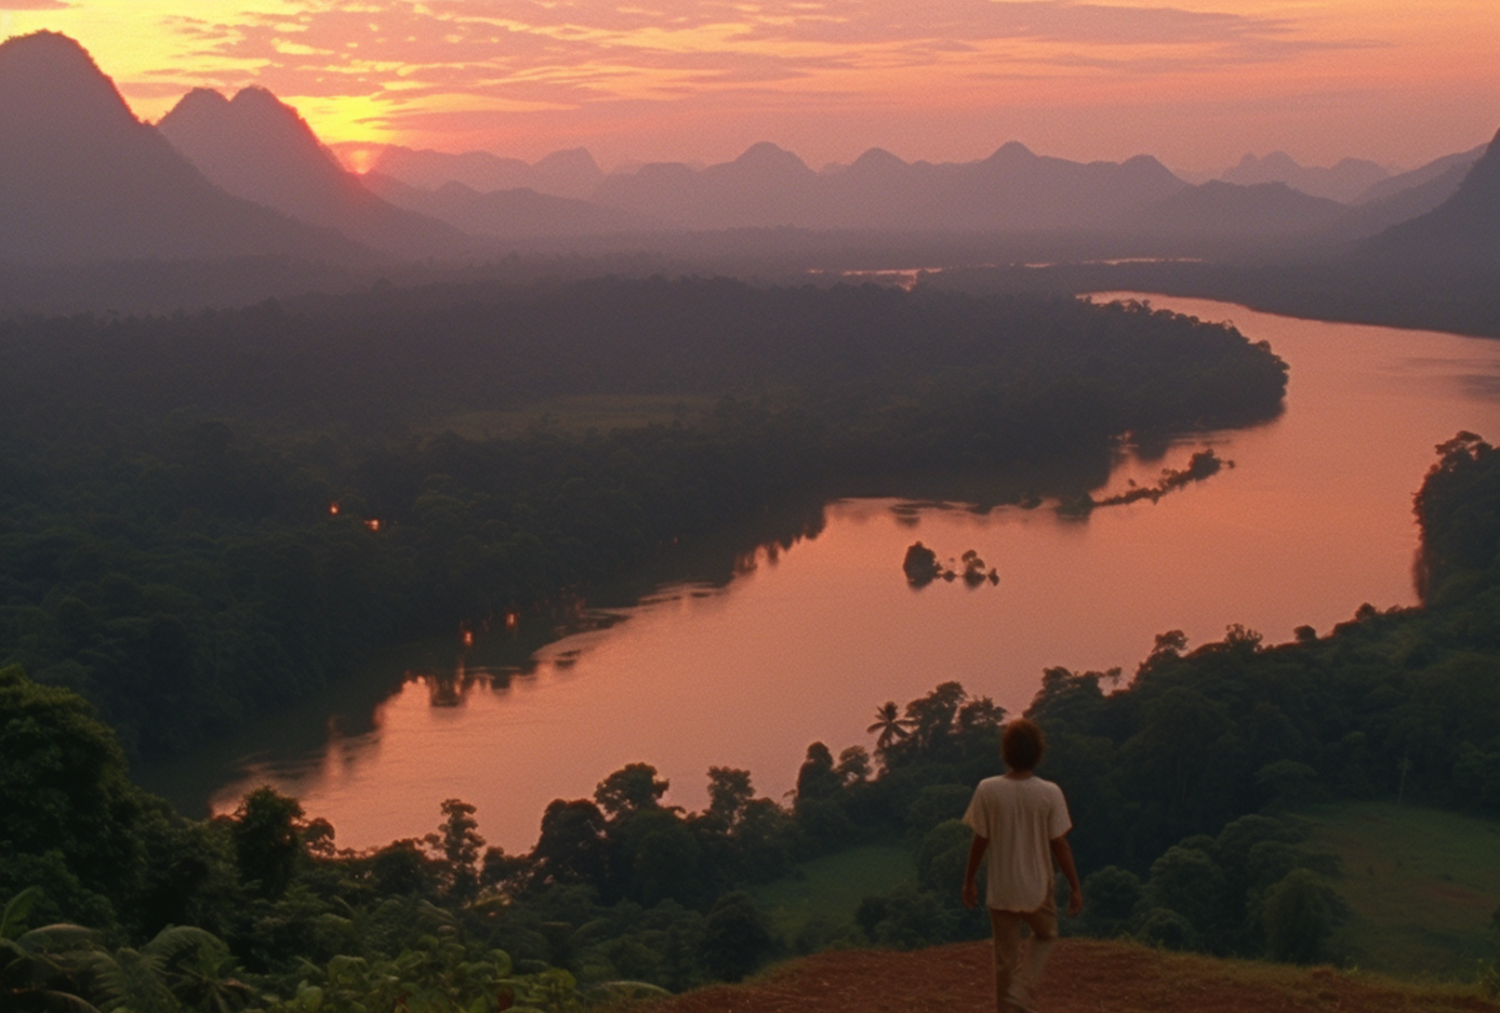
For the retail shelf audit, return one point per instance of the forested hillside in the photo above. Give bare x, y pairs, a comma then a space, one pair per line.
208, 515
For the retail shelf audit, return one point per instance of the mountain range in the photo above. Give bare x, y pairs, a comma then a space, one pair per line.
217, 177
572, 173
1343, 181
521, 213
1013, 190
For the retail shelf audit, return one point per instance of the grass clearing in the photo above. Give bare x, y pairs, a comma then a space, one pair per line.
828, 889
1423, 884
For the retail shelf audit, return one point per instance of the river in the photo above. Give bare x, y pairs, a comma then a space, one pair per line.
806, 639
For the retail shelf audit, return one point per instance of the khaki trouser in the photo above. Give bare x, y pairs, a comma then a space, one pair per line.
1016, 972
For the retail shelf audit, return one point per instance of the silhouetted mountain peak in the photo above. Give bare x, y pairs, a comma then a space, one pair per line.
205, 120
257, 147
201, 101
1343, 181
88, 181
571, 160
1012, 151
256, 96
49, 81
765, 156
1276, 161
875, 160
1486, 172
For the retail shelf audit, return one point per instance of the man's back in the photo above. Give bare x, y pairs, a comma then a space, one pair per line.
1020, 817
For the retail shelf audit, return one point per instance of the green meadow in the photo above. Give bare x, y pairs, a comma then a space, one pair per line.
1423, 886
825, 891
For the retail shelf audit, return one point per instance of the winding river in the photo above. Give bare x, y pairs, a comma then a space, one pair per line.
807, 638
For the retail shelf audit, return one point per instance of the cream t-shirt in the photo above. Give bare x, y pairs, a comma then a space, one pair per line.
1020, 819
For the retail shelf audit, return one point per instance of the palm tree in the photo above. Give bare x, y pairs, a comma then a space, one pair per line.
34, 972
890, 724
183, 967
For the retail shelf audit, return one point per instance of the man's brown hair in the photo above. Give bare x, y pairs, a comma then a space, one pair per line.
1022, 745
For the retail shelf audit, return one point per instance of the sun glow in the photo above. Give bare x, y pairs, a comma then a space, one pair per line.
1194, 81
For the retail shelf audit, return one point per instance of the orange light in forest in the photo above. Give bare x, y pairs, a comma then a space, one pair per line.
373, 524
468, 638
333, 509
511, 619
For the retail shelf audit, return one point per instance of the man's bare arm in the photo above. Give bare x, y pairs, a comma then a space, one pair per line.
1064, 855
976, 855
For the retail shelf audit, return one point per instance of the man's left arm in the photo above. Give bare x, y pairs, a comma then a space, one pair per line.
1064, 855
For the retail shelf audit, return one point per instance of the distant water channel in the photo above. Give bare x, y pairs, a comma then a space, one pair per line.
743, 657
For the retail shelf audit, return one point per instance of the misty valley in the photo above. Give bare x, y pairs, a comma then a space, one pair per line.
437, 581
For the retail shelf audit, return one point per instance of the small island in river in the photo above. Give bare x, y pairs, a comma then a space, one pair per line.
1200, 466
921, 567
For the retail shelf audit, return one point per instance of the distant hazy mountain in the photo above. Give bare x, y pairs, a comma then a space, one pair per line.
1404, 197
258, 148
508, 214
1344, 181
572, 173
1450, 168
1219, 210
82, 180
1013, 190
1464, 229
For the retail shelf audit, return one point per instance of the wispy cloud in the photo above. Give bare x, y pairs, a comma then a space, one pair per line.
567, 52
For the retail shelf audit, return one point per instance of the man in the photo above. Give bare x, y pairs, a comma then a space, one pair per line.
1022, 821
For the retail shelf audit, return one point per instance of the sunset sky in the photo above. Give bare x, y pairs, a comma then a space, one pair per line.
1197, 83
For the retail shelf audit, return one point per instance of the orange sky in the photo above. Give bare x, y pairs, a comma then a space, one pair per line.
1196, 82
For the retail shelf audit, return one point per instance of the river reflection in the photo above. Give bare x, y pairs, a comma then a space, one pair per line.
726, 655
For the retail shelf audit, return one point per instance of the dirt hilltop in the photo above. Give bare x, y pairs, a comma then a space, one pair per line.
1083, 976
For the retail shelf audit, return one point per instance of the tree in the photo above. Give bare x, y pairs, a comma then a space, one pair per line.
816, 779
459, 842
1187, 881
572, 845
931, 719
736, 937
630, 789
729, 791
1299, 915
891, 726
1113, 894
854, 765
65, 788
267, 840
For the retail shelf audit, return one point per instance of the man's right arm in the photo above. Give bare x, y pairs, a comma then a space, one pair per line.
976, 855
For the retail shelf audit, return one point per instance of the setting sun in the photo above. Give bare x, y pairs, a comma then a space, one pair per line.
1196, 83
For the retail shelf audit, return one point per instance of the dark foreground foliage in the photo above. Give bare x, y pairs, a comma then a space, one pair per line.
1179, 781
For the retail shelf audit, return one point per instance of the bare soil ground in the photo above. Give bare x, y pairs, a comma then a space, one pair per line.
1083, 976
